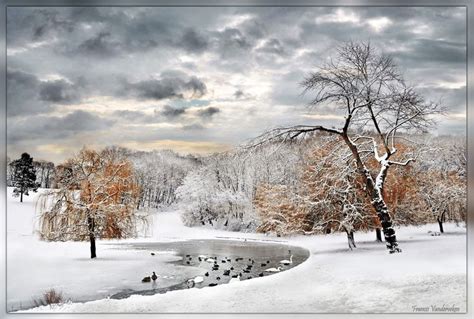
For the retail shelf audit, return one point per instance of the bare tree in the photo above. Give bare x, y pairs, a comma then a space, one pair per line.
445, 197
96, 199
220, 192
44, 173
368, 89
443, 186
159, 173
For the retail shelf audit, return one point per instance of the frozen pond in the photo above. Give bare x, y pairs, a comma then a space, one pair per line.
119, 269
216, 261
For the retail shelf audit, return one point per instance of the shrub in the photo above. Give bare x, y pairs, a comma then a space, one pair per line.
49, 297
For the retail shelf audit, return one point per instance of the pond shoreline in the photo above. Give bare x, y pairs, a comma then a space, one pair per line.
249, 267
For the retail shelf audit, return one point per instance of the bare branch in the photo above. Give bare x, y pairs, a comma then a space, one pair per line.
289, 134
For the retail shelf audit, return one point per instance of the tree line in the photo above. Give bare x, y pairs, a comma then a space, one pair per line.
158, 173
310, 187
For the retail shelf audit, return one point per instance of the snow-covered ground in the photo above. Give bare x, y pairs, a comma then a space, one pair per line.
431, 271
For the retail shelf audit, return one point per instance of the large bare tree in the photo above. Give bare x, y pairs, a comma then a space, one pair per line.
378, 106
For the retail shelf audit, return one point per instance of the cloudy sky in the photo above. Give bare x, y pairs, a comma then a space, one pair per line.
203, 79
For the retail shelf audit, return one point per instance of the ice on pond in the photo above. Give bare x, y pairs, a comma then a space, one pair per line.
216, 262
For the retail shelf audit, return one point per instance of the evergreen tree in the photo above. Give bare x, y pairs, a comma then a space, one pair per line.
24, 176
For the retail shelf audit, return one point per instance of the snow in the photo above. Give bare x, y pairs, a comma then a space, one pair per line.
431, 270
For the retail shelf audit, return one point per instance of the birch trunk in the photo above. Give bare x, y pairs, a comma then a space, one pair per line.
381, 208
375, 191
386, 221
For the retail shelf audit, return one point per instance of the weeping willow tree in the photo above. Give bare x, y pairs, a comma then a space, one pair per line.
96, 198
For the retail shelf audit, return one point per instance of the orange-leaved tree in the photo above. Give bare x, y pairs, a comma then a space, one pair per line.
335, 193
282, 211
96, 198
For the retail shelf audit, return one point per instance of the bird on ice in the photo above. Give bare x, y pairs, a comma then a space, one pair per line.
273, 269
233, 280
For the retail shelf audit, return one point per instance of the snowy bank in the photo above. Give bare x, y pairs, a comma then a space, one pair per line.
430, 271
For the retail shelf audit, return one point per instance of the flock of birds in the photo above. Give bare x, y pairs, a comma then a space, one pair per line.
236, 277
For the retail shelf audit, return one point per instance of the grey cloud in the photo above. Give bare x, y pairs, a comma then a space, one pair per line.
79, 121
239, 94
168, 86
197, 86
449, 22
58, 91
189, 66
254, 28
453, 99
51, 21
401, 38
433, 51
272, 46
172, 112
22, 94
101, 45
287, 91
112, 32
332, 31
158, 115
122, 52
54, 127
131, 116
20, 80
232, 43
208, 111
37, 24
193, 127
26, 94
193, 41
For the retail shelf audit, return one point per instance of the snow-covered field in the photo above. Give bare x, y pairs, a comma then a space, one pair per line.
431, 271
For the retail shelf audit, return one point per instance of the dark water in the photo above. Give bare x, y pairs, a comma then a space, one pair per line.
248, 258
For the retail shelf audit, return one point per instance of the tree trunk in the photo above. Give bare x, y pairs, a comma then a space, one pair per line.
91, 224
21, 196
139, 202
378, 234
350, 239
441, 230
374, 190
440, 223
386, 221
353, 240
